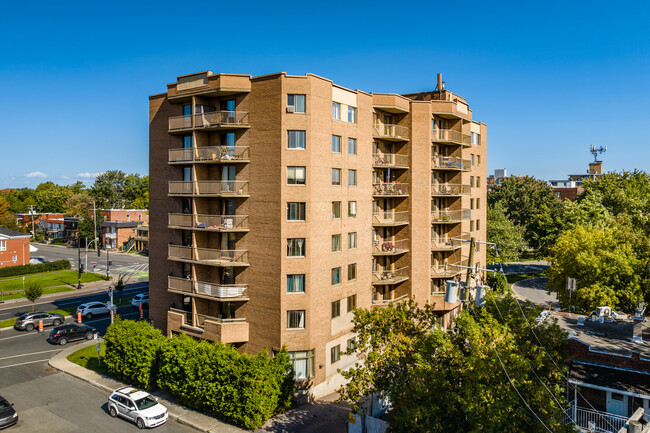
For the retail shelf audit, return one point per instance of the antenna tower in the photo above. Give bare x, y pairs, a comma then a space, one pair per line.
596, 150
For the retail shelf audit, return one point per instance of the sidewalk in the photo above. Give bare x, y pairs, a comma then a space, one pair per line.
178, 413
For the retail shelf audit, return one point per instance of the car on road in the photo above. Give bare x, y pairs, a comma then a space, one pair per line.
137, 406
142, 298
29, 321
90, 309
61, 335
8, 415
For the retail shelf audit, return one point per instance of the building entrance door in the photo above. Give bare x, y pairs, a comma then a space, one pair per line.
616, 403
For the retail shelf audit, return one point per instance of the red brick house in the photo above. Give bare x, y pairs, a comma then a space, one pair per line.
14, 248
118, 226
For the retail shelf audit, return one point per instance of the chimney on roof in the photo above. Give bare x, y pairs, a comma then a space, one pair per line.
441, 84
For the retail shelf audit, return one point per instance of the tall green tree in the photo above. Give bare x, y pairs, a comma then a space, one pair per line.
508, 237
454, 382
108, 189
51, 197
78, 205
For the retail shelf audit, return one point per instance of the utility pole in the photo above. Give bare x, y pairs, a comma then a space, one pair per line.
86, 267
32, 213
95, 226
110, 291
470, 265
79, 265
108, 267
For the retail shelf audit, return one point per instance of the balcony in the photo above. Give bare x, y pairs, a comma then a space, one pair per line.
446, 271
390, 277
449, 136
390, 160
450, 163
603, 422
217, 223
450, 108
376, 302
390, 218
389, 247
211, 328
218, 292
210, 154
390, 132
215, 120
449, 189
450, 216
448, 243
209, 188
110, 235
390, 189
208, 256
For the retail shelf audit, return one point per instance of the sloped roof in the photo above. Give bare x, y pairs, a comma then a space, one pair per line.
12, 233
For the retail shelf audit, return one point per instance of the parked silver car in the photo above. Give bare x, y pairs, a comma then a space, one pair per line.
29, 321
90, 309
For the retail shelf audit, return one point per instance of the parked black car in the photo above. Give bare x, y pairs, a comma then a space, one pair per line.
8, 415
63, 334
29, 321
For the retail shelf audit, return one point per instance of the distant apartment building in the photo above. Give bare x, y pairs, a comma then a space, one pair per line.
14, 248
571, 188
118, 227
51, 224
281, 203
496, 178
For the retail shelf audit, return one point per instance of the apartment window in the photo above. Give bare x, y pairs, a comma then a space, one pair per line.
352, 178
478, 181
476, 138
471, 158
352, 146
478, 160
336, 309
296, 283
336, 176
471, 226
296, 319
352, 272
128, 217
477, 203
352, 209
296, 175
352, 240
335, 353
352, 115
295, 211
350, 346
14, 258
336, 111
336, 143
303, 364
295, 139
336, 243
471, 181
471, 203
296, 247
3, 245
352, 303
336, 210
295, 103
478, 225
336, 276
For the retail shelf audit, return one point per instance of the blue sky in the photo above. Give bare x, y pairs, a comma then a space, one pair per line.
549, 78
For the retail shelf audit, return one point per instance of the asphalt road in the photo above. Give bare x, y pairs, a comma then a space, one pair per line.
121, 263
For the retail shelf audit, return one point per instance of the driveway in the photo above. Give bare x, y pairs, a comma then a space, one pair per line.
535, 291
533, 266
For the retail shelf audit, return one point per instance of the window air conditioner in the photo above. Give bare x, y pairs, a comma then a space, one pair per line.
291, 109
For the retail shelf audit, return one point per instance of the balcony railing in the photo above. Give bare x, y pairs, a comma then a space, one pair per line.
376, 302
449, 242
390, 276
111, 236
220, 291
390, 218
388, 247
224, 188
451, 216
210, 154
208, 256
208, 222
390, 160
450, 163
450, 189
448, 271
211, 119
224, 330
388, 132
603, 422
390, 189
450, 136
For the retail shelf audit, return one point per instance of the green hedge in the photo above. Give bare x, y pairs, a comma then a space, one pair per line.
131, 351
245, 390
13, 271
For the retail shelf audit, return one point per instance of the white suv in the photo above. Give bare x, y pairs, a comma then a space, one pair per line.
142, 298
90, 309
138, 406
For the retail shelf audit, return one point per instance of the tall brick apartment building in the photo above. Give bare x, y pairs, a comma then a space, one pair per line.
280, 203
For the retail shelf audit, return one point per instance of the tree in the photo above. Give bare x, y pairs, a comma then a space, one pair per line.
508, 237
108, 189
33, 291
454, 382
86, 226
119, 286
78, 205
51, 197
136, 191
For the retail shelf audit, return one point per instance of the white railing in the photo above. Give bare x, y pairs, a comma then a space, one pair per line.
209, 187
603, 422
209, 154
207, 255
214, 118
216, 290
208, 222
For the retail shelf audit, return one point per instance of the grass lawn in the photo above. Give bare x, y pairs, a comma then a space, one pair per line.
50, 279
87, 358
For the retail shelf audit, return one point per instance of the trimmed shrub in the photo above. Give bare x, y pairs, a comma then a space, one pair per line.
131, 351
12, 271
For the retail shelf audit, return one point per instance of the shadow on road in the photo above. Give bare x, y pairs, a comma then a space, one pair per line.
316, 417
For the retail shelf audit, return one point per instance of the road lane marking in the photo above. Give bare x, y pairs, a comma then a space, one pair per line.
33, 353
21, 335
25, 363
